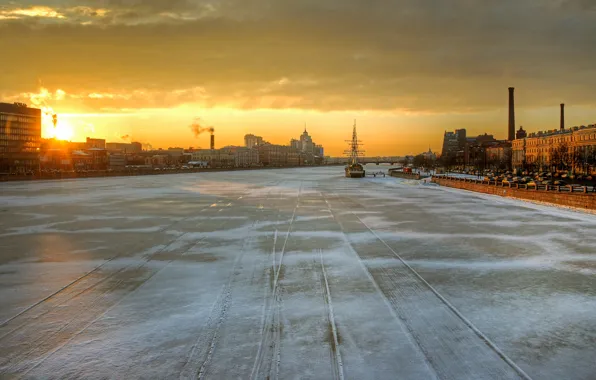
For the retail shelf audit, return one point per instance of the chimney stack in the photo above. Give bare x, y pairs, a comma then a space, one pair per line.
562, 116
212, 141
511, 115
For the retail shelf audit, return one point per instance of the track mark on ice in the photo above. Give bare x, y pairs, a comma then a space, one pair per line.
271, 332
439, 337
338, 365
466, 321
217, 317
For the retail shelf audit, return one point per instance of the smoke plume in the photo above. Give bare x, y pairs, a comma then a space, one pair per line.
197, 127
125, 138
147, 146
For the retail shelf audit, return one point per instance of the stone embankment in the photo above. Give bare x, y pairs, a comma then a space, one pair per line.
581, 197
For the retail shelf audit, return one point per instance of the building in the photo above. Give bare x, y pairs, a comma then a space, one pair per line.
243, 157
20, 138
455, 147
296, 144
273, 155
251, 141
99, 158
518, 149
429, 156
116, 161
310, 152
55, 159
95, 143
217, 158
177, 155
319, 151
521, 133
134, 147
308, 145
498, 156
572, 149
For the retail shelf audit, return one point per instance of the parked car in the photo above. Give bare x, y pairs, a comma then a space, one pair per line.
534, 183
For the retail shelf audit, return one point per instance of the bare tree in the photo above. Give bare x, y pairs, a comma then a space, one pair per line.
561, 158
590, 158
419, 161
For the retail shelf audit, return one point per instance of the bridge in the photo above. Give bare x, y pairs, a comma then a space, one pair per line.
381, 160
392, 160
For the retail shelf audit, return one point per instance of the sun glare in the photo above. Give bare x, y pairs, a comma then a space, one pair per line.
63, 130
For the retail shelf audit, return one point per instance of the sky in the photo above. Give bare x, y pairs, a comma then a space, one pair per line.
406, 70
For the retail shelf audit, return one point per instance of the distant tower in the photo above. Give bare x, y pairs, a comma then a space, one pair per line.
562, 116
212, 141
511, 129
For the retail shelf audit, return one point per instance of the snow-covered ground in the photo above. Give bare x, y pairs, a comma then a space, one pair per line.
293, 273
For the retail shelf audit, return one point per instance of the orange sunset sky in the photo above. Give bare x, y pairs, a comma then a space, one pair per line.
406, 70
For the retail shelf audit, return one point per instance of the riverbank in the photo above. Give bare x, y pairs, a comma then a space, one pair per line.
580, 197
133, 172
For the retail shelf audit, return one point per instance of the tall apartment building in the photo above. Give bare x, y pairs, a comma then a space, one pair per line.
20, 138
252, 141
455, 145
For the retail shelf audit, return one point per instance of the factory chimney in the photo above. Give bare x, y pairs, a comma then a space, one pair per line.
511, 130
212, 141
562, 116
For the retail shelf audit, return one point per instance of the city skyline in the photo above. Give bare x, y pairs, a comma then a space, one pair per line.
407, 70
280, 136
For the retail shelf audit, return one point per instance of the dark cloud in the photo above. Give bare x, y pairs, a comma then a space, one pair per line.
350, 54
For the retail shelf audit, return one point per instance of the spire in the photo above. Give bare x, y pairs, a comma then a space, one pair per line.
305, 128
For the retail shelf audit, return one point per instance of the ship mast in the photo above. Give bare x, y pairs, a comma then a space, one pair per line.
354, 150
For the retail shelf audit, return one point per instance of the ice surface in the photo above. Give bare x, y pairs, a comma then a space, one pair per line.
293, 273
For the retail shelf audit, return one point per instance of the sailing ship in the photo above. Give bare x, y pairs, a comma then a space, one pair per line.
354, 169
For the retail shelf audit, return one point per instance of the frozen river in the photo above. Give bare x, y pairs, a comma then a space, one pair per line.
294, 273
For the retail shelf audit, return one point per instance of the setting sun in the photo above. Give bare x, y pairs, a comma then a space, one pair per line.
63, 131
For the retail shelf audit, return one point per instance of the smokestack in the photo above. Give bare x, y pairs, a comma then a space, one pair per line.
511, 114
212, 141
562, 116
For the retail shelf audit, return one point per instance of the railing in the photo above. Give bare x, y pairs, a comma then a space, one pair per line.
524, 186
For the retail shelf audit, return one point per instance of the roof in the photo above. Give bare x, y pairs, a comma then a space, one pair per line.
19, 109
